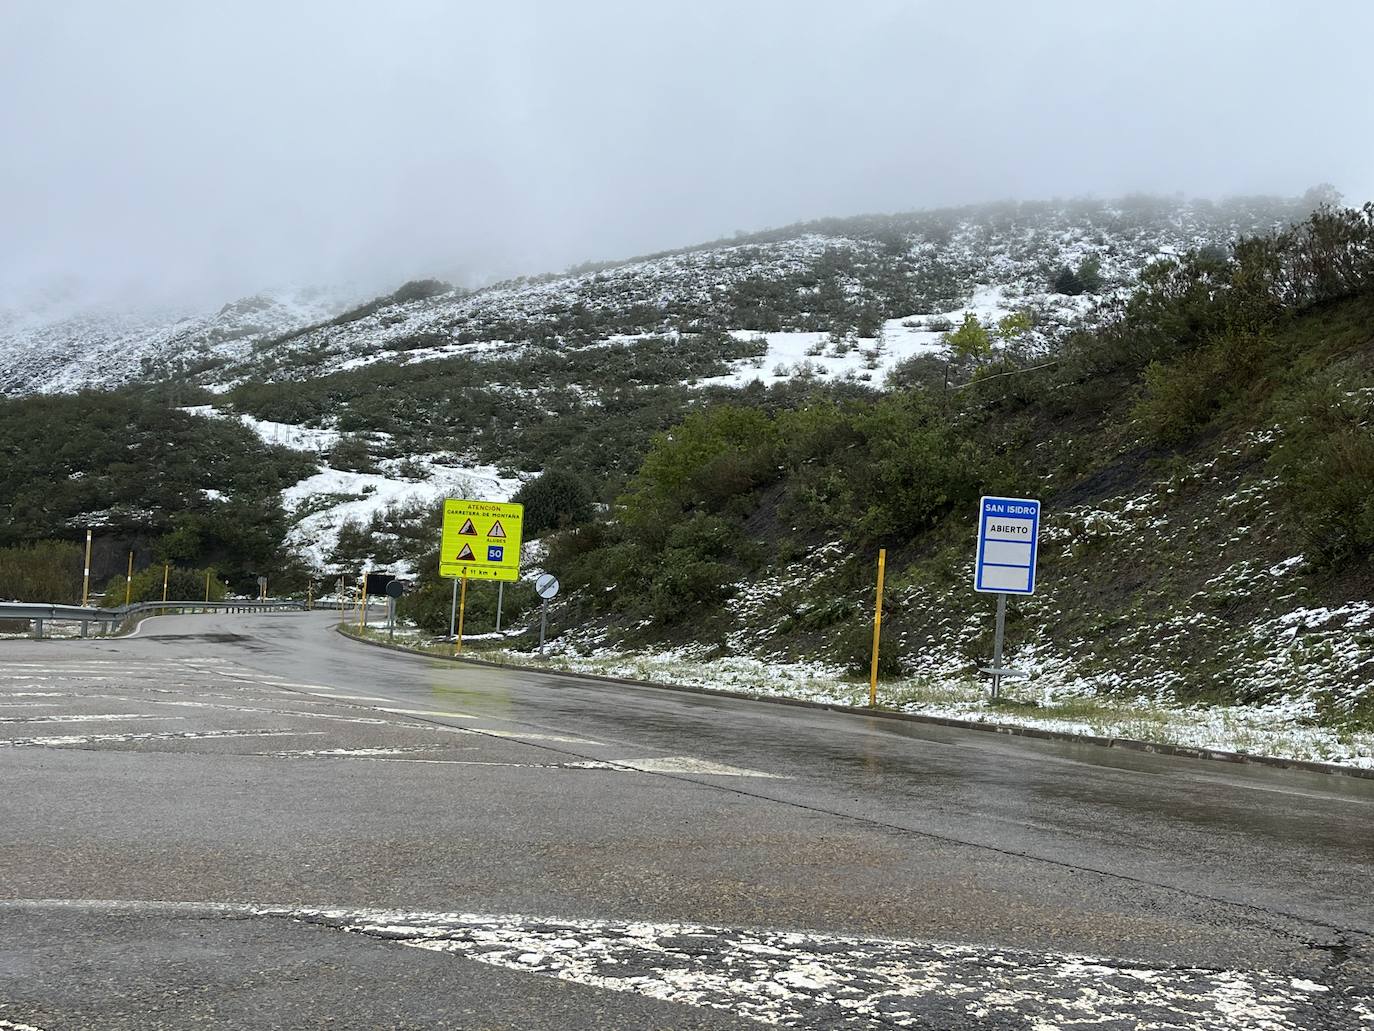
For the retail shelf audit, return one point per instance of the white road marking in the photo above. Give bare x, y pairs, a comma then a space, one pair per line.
682, 764
350, 697
343, 753
278, 712
427, 712
315, 688
520, 735
188, 735
87, 717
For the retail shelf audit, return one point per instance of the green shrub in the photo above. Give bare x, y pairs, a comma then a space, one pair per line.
555, 499
431, 604
1325, 461
182, 585
47, 571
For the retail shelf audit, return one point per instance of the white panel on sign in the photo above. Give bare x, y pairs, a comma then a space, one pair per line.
1007, 553
1010, 529
1005, 578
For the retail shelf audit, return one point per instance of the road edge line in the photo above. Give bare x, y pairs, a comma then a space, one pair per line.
1008, 729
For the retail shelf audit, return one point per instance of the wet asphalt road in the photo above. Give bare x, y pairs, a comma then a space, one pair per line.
250, 821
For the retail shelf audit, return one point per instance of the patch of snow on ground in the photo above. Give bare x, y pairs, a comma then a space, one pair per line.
865, 358
299, 438
332, 497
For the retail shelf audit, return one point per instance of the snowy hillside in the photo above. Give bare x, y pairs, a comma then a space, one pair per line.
843, 278
57, 351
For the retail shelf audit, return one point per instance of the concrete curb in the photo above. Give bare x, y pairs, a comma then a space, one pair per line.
1129, 744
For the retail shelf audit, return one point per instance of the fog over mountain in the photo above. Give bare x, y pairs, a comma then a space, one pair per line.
193, 153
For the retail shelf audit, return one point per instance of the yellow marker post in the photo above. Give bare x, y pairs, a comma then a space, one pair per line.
129, 582
166, 569
462, 604
877, 632
207, 587
362, 605
86, 579
309, 595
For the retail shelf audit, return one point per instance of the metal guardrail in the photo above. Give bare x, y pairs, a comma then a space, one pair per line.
38, 613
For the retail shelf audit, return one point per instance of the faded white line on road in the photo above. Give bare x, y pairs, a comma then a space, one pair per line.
349, 697
344, 753
520, 735
188, 735
426, 712
279, 712
93, 717
685, 764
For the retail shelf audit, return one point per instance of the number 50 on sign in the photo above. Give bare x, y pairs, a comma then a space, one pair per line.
481, 540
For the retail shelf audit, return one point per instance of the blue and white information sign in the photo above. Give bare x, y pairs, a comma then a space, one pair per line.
1008, 529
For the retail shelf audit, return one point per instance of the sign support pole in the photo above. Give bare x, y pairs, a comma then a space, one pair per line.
86, 578
877, 632
543, 625
453, 610
997, 645
390, 619
462, 607
500, 596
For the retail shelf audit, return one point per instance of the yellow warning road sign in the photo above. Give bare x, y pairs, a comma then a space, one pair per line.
495, 553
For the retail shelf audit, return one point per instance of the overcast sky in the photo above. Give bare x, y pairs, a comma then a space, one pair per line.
206, 150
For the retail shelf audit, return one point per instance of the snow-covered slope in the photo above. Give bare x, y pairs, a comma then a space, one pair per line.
840, 277
65, 350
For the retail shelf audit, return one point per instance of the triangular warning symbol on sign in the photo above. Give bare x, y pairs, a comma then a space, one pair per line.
468, 529
497, 530
466, 554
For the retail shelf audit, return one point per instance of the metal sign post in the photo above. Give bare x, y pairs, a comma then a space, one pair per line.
453, 610
462, 607
86, 578
394, 590
1008, 540
547, 589
500, 596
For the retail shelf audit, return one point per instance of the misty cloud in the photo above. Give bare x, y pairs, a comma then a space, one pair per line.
203, 152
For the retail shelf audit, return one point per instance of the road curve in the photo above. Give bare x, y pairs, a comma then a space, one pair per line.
251, 821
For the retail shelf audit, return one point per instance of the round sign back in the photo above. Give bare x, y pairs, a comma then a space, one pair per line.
395, 588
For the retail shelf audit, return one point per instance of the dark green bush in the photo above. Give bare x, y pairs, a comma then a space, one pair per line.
1325, 461
44, 571
554, 500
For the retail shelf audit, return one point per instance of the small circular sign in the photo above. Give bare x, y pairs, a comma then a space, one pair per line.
395, 589
546, 586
